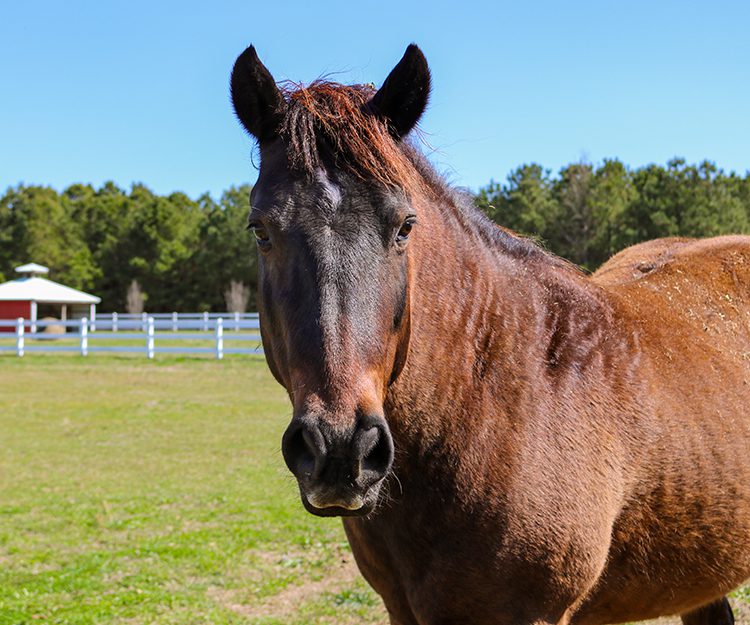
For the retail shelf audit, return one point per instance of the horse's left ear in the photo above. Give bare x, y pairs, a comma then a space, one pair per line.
403, 97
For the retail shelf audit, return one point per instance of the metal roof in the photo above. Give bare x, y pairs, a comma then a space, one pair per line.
44, 291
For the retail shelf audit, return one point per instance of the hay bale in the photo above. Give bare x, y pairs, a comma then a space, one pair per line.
52, 331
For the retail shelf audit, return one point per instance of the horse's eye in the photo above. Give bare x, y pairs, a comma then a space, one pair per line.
261, 234
405, 230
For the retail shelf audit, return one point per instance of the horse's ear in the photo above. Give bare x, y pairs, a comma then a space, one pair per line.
257, 101
403, 97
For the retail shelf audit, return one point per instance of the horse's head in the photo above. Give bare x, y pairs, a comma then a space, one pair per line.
332, 213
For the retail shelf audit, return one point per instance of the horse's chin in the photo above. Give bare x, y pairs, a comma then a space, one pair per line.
357, 506
337, 510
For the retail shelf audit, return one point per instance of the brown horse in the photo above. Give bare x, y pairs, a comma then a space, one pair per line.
509, 440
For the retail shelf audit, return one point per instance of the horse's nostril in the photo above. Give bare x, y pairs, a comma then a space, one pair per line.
301, 449
377, 451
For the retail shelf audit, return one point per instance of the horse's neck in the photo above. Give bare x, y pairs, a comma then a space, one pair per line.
484, 322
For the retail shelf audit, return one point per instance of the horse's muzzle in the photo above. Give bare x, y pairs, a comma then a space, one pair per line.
339, 471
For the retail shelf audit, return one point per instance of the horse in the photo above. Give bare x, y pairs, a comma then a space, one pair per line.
507, 439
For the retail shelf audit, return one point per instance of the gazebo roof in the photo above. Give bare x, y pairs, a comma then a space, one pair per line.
44, 291
32, 268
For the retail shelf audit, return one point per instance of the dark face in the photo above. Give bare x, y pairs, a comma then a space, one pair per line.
334, 305
334, 281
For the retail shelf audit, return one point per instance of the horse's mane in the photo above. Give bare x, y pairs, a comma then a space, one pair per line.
329, 118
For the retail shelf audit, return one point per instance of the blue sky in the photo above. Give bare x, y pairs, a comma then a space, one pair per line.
138, 91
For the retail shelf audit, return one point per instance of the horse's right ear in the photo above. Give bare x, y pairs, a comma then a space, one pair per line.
257, 101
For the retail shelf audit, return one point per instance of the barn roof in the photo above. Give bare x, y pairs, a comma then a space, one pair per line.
44, 291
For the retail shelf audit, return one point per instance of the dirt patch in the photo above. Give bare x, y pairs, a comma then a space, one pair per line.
286, 603
741, 612
740, 609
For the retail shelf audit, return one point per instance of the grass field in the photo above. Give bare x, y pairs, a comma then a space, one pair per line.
140, 492
136, 492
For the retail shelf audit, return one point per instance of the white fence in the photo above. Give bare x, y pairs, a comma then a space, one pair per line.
146, 331
204, 321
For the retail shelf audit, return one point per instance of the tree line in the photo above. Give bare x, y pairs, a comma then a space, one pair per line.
183, 254
191, 255
587, 213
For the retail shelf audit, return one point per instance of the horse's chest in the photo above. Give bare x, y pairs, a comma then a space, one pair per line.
431, 570
422, 573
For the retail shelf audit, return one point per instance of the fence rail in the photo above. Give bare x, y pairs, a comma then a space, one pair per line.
82, 335
175, 321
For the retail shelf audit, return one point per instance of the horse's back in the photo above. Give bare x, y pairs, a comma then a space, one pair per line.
694, 259
693, 286
636, 261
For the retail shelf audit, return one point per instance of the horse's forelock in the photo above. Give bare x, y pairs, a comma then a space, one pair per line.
327, 115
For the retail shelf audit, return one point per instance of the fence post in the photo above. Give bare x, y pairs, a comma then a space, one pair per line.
114, 322
150, 337
219, 338
144, 321
205, 321
174, 322
19, 336
236, 322
84, 337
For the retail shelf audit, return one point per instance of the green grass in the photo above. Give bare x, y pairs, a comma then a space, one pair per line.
142, 492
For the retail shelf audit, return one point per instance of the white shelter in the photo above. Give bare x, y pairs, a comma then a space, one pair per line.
24, 296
